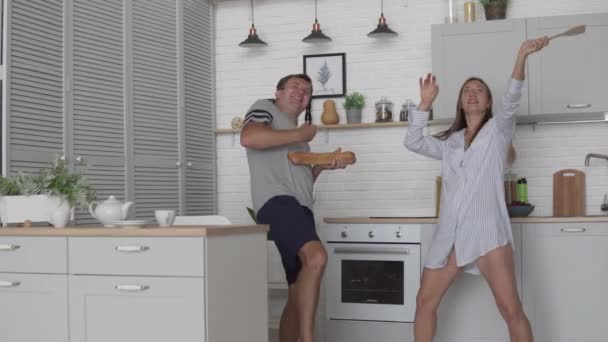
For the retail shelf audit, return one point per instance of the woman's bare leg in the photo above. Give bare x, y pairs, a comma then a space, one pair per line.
498, 269
433, 285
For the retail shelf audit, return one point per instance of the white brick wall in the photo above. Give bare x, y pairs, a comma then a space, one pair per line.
387, 179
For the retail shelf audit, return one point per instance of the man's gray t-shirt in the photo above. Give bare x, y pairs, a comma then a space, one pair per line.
271, 172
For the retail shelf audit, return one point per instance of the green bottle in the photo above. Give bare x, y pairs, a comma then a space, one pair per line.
522, 190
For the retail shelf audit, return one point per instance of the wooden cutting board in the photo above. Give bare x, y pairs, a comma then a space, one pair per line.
569, 193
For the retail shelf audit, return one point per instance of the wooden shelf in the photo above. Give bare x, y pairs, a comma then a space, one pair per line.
339, 126
365, 125
226, 130
350, 126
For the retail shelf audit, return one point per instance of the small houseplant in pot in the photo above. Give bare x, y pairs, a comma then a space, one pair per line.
494, 9
49, 196
354, 103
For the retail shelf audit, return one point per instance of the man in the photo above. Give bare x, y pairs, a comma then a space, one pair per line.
282, 197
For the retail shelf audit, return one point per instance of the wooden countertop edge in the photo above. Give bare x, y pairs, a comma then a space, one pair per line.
378, 220
432, 220
193, 231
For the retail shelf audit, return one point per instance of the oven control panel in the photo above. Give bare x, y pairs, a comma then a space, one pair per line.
391, 233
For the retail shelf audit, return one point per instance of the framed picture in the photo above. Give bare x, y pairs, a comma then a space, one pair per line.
328, 74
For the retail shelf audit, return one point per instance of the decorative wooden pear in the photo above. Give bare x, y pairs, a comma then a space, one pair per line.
329, 116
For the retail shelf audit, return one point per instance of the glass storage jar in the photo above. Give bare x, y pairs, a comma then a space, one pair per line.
384, 110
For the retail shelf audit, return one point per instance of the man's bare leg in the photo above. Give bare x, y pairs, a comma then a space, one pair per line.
288, 327
314, 259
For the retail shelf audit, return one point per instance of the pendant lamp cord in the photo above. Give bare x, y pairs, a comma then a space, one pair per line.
252, 19
315, 10
381, 7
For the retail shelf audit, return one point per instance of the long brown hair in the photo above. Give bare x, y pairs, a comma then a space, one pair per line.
460, 121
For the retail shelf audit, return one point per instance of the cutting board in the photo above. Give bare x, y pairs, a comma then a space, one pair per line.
569, 193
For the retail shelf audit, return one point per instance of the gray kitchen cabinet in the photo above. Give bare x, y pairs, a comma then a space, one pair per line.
468, 312
484, 49
33, 289
155, 128
124, 86
94, 98
171, 138
34, 129
197, 141
125, 309
571, 75
564, 281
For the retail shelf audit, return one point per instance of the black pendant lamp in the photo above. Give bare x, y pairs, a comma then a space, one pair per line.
382, 30
316, 36
252, 40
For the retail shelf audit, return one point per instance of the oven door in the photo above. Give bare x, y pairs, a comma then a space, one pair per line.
374, 282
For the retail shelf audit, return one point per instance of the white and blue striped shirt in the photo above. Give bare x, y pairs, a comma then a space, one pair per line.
473, 217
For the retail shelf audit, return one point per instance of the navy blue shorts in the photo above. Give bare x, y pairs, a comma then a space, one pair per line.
291, 226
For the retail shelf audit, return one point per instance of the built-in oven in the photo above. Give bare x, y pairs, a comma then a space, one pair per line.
373, 272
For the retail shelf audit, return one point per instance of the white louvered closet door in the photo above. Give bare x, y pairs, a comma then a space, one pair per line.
97, 96
155, 106
198, 109
35, 126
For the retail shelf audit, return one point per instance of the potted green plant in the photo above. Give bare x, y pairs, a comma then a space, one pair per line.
49, 196
494, 9
71, 186
354, 103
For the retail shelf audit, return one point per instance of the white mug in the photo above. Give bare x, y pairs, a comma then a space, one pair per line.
164, 218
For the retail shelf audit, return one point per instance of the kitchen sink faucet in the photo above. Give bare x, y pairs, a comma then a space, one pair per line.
594, 155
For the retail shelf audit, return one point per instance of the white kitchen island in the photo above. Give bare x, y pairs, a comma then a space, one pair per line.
203, 284
561, 268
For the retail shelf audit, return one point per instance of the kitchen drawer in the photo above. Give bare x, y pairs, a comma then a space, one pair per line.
133, 309
33, 254
152, 256
570, 229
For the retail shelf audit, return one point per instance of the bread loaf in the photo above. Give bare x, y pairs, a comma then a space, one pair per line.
313, 158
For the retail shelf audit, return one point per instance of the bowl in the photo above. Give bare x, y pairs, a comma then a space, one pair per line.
519, 210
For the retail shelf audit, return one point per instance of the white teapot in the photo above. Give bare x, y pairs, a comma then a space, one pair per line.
110, 210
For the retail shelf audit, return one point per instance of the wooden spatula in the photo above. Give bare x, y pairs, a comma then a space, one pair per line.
571, 32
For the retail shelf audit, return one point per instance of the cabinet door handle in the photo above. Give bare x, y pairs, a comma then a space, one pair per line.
579, 105
371, 250
9, 247
132, 288
131, 249
9, 284
574, 230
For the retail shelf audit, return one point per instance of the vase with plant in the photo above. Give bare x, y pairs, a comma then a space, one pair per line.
49, 195
354, 103
494, 9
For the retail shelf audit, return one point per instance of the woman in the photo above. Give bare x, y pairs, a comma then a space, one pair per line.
473, 231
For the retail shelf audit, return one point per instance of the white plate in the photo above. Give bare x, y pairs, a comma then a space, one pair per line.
130, 223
